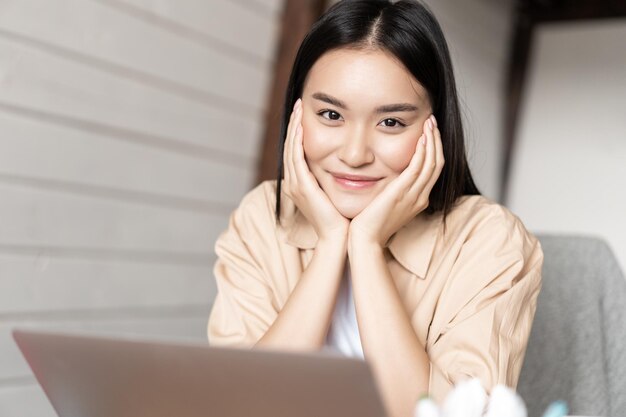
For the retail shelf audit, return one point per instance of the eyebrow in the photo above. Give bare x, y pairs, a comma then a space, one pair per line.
387, 108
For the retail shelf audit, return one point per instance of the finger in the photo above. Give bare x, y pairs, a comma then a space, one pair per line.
301, 168
412, 171
428, 166
296, 130
404, 182
298, 153
438, 145
417, 161
288, 152
288, 134
439, 159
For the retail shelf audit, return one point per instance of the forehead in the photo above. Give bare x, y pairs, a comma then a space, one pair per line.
364, 78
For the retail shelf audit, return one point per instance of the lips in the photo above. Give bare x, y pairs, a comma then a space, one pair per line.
354, 182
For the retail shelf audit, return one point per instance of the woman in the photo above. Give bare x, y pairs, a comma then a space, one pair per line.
368, 242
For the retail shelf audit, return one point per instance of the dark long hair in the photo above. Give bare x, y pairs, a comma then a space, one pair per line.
409, 31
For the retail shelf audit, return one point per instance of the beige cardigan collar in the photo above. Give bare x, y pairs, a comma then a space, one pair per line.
412, 246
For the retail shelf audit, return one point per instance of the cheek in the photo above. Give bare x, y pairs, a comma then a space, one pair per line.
397, 154
316, 143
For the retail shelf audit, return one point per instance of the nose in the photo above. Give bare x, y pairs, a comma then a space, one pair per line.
355, 150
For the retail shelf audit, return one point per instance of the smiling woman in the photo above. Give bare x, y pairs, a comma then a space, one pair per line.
374, 240
363, 113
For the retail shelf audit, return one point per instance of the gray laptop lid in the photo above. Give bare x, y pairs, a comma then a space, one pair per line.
105, 377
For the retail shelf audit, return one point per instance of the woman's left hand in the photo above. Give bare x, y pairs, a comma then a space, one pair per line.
405, 196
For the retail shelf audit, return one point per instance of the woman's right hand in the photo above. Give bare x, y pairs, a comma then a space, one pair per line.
302, 188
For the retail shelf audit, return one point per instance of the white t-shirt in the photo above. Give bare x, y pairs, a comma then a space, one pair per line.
343, 334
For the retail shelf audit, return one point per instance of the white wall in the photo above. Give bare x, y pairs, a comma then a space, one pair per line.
570, 171
129, 130
478, 34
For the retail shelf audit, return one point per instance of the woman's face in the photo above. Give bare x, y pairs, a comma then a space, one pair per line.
363, 113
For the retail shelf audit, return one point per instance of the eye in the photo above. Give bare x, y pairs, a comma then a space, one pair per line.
330, 115
392, 123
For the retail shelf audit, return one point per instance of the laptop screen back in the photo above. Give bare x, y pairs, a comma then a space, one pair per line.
104, 377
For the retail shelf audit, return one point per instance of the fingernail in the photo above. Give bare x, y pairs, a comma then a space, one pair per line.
430, 123
434, 120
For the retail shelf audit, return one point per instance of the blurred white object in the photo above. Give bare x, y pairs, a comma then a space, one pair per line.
469, 399
505, 402
427, 408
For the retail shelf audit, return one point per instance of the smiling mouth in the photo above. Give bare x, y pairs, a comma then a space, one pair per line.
354, 182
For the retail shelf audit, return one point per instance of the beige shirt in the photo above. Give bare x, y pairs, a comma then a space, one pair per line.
470, 292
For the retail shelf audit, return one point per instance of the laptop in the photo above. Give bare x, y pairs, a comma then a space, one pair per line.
86, 376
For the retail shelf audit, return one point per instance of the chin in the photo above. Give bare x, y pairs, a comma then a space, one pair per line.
349, 209
349, 214
348, 204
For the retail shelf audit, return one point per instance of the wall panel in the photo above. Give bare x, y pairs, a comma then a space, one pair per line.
35, 216
129, 130
216, 23
36, 83
36, 149
110, 39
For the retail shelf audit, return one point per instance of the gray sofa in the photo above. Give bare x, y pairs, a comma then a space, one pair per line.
577, 346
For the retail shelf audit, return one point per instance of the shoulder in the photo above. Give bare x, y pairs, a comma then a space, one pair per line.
262, 197
477, 212
255, 217
477, 219
477, 208
257, 207
253, 220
